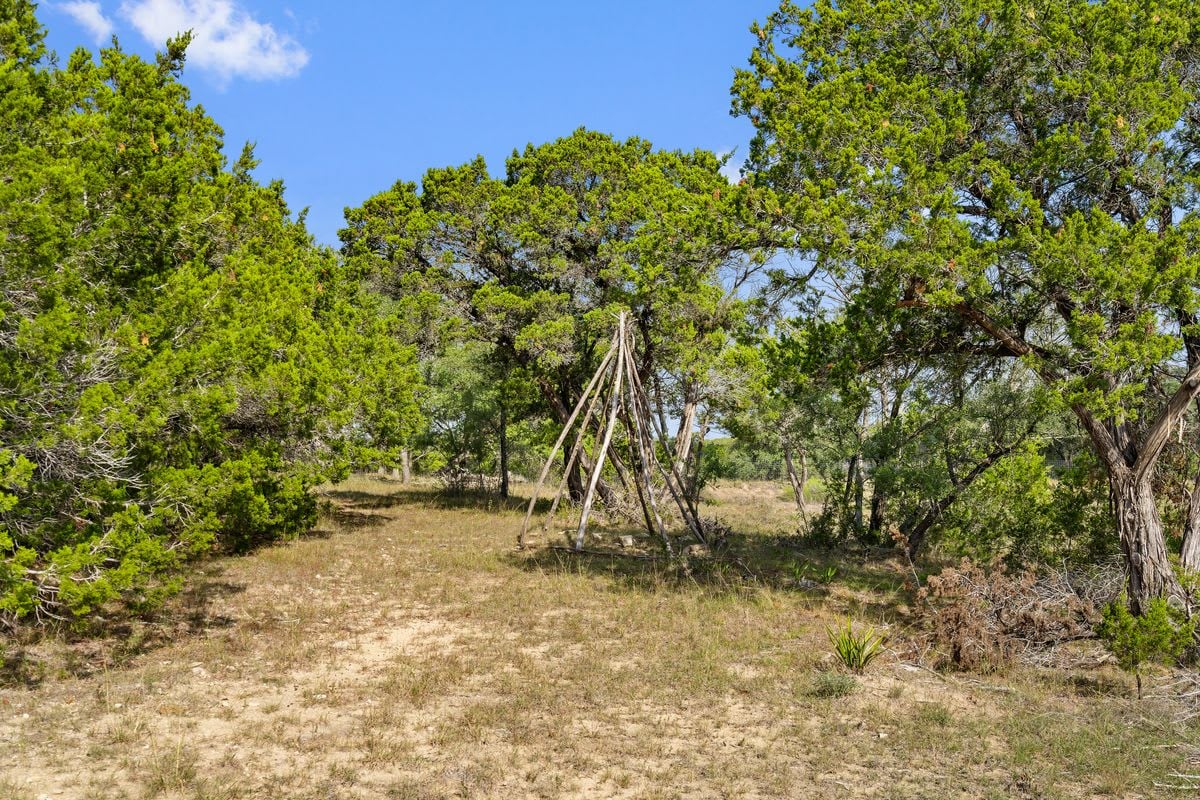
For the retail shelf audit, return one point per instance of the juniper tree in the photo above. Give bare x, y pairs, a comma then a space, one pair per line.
539, 262
1017, 178
179, 363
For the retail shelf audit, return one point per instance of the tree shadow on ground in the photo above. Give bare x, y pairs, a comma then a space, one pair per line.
430, 497
1095, 685
113, 640
346, 518
744, 564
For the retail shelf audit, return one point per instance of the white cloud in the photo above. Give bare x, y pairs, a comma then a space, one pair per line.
226, 39
91, 17
732, 168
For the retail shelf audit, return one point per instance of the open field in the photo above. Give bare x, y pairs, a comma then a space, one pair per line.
408, 651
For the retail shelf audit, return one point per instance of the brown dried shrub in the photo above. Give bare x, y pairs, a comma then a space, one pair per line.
983, 619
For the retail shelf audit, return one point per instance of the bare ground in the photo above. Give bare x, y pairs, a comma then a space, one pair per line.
410, 652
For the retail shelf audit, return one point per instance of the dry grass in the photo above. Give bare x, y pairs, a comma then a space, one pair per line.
409, 652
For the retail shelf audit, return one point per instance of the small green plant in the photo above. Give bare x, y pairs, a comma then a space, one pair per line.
832, 684
804, 571
855, 649
1160, 634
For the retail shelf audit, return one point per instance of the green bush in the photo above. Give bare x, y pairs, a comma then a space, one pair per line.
733, 459
1159, 634
1027, 512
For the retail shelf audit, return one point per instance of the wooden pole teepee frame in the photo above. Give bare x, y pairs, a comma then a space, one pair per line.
616, 390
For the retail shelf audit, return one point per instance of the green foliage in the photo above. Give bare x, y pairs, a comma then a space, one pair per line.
806, 571
179, 363
473, 391
855, 649
1026, 511
738, 460
1158, 634
976, 202
537, 264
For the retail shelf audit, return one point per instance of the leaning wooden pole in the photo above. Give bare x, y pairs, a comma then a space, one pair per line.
612, 351
590, 496
637, 431
690, 516
576, 449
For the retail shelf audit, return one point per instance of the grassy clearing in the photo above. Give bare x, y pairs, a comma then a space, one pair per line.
408, 651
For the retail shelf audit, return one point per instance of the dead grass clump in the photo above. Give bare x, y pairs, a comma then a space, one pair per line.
984, 618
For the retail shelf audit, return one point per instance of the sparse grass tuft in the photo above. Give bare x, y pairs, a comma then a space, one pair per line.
833, 684
934, 714
173, 769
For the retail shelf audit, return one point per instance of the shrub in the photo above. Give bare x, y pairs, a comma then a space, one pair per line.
1027, 512
1160, 634
855, 649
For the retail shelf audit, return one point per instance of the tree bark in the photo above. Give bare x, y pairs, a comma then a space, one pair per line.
503, 451
683, 439
1142, 540
698, 455
574, 477
796, 481
1189, 556
875, 525
848, 491
405, 466
858, 494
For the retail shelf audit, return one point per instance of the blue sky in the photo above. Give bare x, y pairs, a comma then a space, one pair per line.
344, 99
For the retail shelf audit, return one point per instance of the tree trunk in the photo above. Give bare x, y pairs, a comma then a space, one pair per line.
503, 451
848, 491
694, 480
875, 526
858, 495
1189, 557
1129, 464
683, 439
405, 466
1142, 540
796, 481
574, 477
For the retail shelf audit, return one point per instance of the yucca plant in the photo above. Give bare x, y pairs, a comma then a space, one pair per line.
855, 649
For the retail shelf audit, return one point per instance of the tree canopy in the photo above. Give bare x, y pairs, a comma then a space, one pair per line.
1012, 180
179, 363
